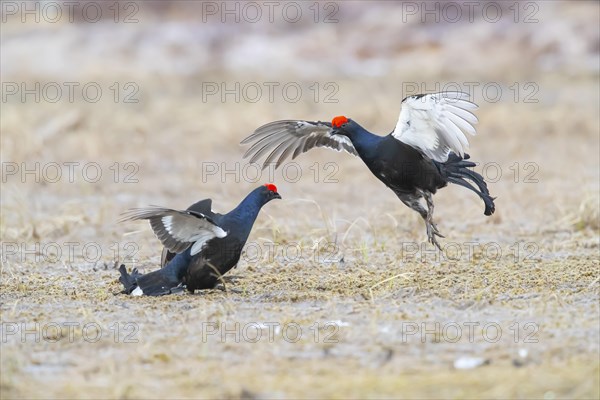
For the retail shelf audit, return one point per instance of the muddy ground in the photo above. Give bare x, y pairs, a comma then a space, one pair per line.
337, 294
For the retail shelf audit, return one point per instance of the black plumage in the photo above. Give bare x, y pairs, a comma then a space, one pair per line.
200, 245
424, 153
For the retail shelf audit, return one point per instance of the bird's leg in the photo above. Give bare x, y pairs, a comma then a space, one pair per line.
221, 283
413, 201
432, 230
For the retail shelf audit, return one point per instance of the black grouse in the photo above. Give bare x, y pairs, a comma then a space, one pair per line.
425, 151
200, 245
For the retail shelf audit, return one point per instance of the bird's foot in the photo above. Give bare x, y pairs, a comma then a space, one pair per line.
432, 232
233, 279
227, 290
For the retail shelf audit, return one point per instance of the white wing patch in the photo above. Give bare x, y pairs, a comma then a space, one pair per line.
435, 123
178, 230
196, 230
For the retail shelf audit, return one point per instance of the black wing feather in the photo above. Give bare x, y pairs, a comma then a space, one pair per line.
280, 138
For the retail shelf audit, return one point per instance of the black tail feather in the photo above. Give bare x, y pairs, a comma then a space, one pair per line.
129, 281
456, 171
158, 283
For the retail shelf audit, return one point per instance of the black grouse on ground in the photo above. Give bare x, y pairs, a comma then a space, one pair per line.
200, 245
425, 151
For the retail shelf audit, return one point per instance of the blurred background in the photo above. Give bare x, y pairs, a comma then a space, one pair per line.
112, 105
171, 87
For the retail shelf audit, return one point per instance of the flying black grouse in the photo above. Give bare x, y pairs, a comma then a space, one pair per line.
200, 245
425, 151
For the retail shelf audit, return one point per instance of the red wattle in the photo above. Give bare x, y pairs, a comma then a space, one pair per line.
271, 187
339, 121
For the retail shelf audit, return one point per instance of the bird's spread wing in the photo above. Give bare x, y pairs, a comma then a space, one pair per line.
202, 207
434, 123
178, 230
282, 138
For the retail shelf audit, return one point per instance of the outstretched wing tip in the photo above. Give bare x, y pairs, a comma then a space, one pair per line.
278, 140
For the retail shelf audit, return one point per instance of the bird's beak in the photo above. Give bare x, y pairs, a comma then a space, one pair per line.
276, 195
337, 131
